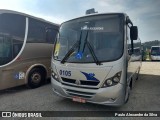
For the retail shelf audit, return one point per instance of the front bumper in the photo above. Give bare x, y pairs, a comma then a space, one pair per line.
113, 95
155, 57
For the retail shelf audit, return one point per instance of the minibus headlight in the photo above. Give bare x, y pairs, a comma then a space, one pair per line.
55, 76
112, 81
109, 82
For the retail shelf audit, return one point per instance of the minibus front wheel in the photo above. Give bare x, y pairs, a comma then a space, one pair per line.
127, 93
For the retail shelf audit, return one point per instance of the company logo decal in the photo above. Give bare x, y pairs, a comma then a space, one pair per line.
19, 76
90, 76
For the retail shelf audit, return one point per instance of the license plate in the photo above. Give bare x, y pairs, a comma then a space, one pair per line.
78, 99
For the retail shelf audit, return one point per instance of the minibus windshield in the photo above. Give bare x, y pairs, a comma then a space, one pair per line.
103, 34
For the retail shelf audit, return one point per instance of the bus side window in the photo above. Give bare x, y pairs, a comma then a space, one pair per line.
36, 32
12, 31
51, 35
16, 49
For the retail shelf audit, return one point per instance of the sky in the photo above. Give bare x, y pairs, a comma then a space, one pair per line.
144, 13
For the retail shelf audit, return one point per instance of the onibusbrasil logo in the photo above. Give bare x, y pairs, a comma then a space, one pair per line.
20, 114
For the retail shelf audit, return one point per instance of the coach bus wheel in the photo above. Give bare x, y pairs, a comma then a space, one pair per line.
35, 78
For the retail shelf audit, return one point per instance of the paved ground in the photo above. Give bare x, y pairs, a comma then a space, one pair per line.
144, 97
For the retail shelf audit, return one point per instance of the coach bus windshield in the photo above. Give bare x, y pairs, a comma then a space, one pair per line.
12, 31
86, 37
155, 51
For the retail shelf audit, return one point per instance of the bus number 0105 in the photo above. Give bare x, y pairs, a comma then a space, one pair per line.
65, 72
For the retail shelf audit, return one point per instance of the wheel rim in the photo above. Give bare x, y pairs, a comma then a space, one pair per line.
36, 78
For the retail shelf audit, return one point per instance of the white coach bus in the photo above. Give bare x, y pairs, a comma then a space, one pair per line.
26, 43
91, 61
155, 53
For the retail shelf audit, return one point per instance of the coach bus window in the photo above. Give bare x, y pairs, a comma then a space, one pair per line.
36, 32
51, 35
12, 29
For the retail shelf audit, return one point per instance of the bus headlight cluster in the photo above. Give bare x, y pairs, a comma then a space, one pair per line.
55, 76
112, 81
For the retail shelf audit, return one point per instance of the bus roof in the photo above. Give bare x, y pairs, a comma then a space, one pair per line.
155, 46
96, 14
15, 12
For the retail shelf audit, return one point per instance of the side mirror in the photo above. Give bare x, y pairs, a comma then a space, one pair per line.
134, 32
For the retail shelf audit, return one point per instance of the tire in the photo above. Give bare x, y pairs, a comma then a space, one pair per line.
36, 78
137, 77
128, 94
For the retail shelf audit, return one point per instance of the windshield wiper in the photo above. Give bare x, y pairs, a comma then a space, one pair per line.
91, 50
78, 42
93, 54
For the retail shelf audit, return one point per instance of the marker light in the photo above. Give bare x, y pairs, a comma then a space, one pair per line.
116, 79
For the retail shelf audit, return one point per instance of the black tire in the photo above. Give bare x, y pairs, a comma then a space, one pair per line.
129, 89
36, 78
127, 99
137, 77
